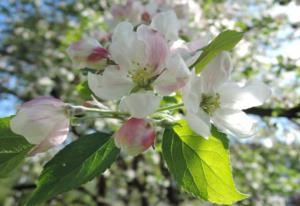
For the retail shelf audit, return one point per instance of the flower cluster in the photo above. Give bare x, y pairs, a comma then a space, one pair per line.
137, 67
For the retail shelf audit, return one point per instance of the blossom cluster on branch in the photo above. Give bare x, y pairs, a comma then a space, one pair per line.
143, 60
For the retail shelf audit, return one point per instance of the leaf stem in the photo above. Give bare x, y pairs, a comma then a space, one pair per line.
172, 107
78, 110
81, 110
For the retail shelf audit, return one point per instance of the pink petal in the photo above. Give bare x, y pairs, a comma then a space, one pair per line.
97, 54
156, 47
87, 52
42, 101
135, 136
173, 78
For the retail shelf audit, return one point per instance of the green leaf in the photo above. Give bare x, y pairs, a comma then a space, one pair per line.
201, 167
225, 41
84, 90
78, 163
13, 148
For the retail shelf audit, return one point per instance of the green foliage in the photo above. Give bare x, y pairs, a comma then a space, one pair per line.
13, 148
225, 41
201, 167
77, 163
84, 90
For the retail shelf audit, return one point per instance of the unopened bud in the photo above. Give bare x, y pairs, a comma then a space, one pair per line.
43, 122
135, 136
88, 52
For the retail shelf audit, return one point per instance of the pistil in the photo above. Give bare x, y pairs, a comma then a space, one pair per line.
210, 103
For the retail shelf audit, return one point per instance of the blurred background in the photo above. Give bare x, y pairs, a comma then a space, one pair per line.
34, 35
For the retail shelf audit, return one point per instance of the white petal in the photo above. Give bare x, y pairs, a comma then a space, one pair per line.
167, 24
122, 46
111, 85
189, 51
156, 48
55, 138
191, 93
44, 100
216, 72
36, 122
140, 104
253, 94
174, 77
234, 122
198, 43
199, 122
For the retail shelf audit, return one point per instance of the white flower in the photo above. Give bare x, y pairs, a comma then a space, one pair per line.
43, 122
213, 98
87, 52
190, 51
167, 24
145, 66
130, 11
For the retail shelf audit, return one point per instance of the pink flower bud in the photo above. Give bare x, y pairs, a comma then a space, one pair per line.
135, 136
146, 16
43, 122
87, 52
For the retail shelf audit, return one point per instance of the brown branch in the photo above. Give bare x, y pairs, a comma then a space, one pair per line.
137, 183
98, 200
101, 188
293, 112
31, 186
25, 186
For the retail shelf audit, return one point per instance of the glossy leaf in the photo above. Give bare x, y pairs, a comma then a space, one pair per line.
76, 164
201, 167
225, 41
13, 148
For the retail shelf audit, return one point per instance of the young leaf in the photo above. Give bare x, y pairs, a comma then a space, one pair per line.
13, 148
223, 42
76, 164
201, 167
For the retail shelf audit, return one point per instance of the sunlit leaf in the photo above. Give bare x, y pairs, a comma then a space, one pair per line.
201, 167
225, 41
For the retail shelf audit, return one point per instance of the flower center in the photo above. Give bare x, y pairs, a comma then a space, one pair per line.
142, 78
210, 103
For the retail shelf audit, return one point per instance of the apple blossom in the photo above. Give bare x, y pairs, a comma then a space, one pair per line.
146, 59
212, 97
167, 24
43, 122
130, 11
144, 65
88, 52
190, 51
135, 136
185, 10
